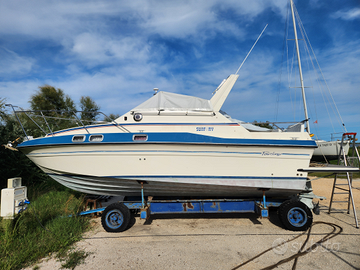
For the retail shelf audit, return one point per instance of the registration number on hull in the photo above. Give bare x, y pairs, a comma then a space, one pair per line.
204, 128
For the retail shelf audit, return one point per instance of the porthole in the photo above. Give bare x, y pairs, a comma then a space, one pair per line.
140, 138
78, 138
138, 117
96, 138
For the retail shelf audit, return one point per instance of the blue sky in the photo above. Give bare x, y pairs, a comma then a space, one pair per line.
116, 52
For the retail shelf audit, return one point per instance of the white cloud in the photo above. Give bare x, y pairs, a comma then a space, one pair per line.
56, 19
13, 64
106, 32
59, 20
183, 19
178, 20
96, 49
19, 93
348, 15
342, 70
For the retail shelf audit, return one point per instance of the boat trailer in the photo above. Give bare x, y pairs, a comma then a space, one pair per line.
293, 213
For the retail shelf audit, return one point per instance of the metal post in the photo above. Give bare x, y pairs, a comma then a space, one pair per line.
142, 195
300, 70
46, 123
342, 155
264, 201
80, 122
18, 119
264, 210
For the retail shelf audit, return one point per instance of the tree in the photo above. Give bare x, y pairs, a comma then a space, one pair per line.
89, 110
57, 105
111, 117
14, 163
2, 109
267, 124
50, 98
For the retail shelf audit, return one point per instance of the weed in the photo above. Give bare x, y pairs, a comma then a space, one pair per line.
45, 227
73, 258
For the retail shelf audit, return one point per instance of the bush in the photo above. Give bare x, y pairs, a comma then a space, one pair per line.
45, 227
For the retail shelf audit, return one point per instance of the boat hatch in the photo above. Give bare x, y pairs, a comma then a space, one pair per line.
78, 138
96, 138
140, 138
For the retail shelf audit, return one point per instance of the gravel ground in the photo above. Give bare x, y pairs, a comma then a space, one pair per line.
220, 241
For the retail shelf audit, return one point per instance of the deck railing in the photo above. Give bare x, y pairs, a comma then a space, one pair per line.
62, 115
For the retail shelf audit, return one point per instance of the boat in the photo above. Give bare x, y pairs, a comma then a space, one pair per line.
176, 145
329, 150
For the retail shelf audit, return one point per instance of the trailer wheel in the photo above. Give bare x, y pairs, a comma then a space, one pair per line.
295, 215
115, 217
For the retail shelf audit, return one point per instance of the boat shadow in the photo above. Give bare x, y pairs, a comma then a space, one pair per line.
253, 217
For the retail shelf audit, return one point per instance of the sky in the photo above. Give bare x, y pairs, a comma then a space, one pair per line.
116, 52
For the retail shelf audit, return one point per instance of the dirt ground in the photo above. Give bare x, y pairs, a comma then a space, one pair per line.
323, 187
222, 241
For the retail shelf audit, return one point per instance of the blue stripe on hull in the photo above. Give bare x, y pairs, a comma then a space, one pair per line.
161, 151
172, 138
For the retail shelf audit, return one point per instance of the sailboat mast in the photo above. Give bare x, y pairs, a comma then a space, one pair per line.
307, 127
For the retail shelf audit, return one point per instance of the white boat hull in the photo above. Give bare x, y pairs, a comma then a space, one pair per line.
330, 150
175, 170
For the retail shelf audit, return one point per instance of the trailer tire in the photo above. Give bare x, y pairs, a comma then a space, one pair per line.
295, 215
115, 218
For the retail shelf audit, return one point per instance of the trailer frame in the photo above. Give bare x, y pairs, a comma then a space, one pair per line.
293, 213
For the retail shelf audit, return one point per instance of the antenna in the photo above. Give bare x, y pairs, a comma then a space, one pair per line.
251, 48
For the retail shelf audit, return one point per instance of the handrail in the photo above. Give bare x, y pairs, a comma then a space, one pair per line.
275, 124
12, 107
113, 122
81, 123
36, 123
47, 123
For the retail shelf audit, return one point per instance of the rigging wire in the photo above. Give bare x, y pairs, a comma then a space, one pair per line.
293, 96
281, 67
309, 59
329, 102
312, 56
251, 49
290, 66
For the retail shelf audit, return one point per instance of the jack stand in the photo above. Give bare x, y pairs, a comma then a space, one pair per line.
145, 209
264, 209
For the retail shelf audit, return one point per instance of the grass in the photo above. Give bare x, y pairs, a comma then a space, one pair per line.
43, 229
72, 258
328, 175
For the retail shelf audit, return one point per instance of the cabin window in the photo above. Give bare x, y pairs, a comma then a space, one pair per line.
96, 138
140, 138
78, 138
